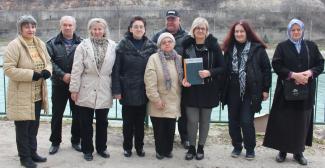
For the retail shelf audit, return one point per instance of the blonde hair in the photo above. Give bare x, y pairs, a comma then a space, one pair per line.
197, 22
98, 20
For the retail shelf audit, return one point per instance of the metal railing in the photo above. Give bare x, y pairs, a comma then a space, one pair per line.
219, 115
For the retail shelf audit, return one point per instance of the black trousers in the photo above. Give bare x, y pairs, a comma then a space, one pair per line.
241, 118
182, 125
164, 131
133, 125
86, 125
26, 134
60, 96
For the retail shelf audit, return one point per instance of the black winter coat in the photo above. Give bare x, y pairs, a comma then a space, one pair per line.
128, 71
258, 75
206, 95
61, 61
179, 37
290, 125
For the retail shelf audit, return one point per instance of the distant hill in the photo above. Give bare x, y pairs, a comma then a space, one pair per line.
269, 17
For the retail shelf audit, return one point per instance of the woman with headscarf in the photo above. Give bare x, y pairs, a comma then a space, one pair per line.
200, 99
90, 86
132, 54
248, 80
162, 78
27, 65
290, 125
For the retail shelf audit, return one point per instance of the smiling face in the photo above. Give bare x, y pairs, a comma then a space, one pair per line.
296, 32
97, 30
28, 30
240, 34
167, 44
138, 29
200, 32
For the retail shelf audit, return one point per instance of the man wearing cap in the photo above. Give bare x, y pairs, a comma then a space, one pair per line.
173, 26
61, 49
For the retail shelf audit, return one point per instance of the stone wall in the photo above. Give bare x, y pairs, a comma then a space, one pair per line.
268, 17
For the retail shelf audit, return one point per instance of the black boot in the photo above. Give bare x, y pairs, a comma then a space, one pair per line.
281, 157
190, 153
28, 163
200, 152
299, 157
38, 158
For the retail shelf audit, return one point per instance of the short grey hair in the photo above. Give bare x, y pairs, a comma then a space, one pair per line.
197, 22
71, 18
98, 20
25, 19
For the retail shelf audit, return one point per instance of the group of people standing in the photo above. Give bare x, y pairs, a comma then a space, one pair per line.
147, 77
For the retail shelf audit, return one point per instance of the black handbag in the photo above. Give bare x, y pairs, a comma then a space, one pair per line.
294, 92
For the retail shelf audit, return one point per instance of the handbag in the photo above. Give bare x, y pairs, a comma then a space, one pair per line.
294, 92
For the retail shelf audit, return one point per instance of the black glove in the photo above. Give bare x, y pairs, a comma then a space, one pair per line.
36, 76
45, 74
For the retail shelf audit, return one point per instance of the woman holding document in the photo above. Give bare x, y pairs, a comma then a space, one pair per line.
248, 79
199, 99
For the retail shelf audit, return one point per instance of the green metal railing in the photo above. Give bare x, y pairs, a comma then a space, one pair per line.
219, 115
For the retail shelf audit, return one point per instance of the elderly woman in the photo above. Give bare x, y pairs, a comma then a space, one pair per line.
200, 99
132, 55
163, 76
27, 65
90, 86
248, 79
290, 125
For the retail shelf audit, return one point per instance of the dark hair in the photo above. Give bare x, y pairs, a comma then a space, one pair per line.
136, 18
250, 34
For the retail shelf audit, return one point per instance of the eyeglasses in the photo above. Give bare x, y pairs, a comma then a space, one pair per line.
137, 27
166, 42
200, 29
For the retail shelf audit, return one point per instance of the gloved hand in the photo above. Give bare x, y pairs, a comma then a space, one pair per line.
45, 74
36, 76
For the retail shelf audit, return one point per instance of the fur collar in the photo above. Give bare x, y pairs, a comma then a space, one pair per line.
211, 42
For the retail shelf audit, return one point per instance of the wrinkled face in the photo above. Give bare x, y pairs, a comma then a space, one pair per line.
200, 32
295, 32
28, 30
67, 28
138, 29
172, 24
167, 44
97, 30
240, 34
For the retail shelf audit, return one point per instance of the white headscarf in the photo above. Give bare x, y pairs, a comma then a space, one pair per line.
302, 26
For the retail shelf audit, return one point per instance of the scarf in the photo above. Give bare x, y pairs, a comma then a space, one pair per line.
100, 48
241, 69
170, 56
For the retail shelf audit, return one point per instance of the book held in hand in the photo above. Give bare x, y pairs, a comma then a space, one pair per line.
192, 66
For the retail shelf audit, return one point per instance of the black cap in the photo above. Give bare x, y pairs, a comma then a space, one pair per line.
172, 13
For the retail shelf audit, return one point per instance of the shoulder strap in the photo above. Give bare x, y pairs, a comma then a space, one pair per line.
307, 53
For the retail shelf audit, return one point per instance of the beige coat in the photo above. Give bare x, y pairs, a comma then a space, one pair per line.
94, 87
156, 88
19, 67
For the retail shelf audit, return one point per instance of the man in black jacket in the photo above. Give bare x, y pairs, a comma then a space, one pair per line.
173, 26
61, 49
